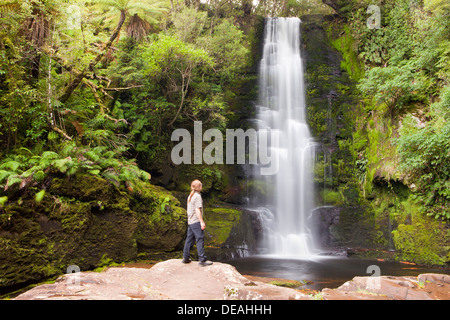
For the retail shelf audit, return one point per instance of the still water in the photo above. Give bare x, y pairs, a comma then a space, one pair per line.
325, 272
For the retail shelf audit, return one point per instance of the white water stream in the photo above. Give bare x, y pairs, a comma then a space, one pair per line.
281, 108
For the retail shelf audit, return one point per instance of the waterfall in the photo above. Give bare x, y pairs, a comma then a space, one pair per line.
281, 108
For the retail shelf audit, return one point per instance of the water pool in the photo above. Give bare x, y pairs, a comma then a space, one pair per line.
325, 271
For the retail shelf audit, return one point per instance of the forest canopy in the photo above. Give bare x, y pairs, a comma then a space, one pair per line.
97, 86
87, 86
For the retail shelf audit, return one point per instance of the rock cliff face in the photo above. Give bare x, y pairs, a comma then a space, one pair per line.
356, 170
341, 219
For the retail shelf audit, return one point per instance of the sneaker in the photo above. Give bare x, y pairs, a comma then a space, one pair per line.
205, 263
186, 260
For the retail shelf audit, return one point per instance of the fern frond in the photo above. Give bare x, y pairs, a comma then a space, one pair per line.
92, 155
50, 155
62, 164
68, 150
111, 176
110, 163
144, 175
5, 174
13, 180
39, 175
8, 6
3, 201
11, 165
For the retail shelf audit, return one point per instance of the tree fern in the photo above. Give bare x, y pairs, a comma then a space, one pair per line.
146, 10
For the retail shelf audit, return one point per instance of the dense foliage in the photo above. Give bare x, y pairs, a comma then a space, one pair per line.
92, 85
406, 82
96, 87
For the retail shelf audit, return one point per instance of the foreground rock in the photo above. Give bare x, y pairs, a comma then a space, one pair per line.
166, 280
171, 279
424, 287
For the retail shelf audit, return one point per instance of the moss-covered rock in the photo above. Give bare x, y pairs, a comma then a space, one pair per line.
425, 241
162, 220
220, 222
84, 220
230, 232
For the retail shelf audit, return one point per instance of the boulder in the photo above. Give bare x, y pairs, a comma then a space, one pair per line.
86, 221
423, 287
166, 280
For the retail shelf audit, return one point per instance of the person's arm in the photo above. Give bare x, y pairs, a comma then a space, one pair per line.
198, 212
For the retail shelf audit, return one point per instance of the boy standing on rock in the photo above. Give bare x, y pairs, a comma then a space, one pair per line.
196, 225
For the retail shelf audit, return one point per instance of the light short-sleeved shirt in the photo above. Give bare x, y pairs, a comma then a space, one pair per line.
196, 202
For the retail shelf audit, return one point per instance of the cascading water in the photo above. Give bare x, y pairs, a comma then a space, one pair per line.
282, 109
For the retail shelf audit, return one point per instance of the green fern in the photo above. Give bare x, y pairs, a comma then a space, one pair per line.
144, 175
27, 170
5, 174
39, 176
8, 6
164, 204
62, 164
30, 171
11, 165
111, 176
94, 172
110, 163
49, 155
12, 180
109, 154
92, 155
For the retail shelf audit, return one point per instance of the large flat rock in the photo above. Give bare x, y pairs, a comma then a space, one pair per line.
166, 280
173, 280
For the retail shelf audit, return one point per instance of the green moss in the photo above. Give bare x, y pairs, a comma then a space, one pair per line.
346, 46
288, 283
332, 198
419, 238
104, 225
399, 223
157, 228
423, 242
220, 222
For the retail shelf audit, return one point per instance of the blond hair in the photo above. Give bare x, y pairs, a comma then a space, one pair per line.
196, 185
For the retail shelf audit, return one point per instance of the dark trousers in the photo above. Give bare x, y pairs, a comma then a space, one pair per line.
194, 234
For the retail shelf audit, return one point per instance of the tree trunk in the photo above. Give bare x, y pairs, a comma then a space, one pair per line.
80, 75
